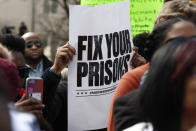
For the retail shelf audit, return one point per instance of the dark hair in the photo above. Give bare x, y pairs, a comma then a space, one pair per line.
13, 43
139, 41
157, 37
167, 0
22, 29
184, 63
158, 99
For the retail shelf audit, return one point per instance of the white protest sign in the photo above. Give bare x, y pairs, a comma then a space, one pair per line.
101, 36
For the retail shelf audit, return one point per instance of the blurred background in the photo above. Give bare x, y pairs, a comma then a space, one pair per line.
48, 18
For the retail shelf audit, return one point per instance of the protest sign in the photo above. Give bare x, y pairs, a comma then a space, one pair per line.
142, 13
101, 36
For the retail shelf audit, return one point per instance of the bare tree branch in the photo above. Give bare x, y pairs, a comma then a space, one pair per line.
56, 26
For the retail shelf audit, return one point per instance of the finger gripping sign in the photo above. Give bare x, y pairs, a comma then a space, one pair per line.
102, 38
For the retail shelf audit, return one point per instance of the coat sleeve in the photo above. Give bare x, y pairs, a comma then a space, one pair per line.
129, 82
51, 82
127, 111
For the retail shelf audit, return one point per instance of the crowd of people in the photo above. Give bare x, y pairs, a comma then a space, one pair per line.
158, 94
22, 57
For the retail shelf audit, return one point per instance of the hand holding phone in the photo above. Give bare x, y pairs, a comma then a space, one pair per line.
34, 88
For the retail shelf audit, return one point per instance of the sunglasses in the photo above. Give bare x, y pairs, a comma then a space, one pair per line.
36, 43
23, 71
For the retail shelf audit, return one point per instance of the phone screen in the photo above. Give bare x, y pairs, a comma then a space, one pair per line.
34, 88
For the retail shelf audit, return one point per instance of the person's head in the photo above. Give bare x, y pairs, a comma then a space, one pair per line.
183, 81
162, 93
9, 75
33, 47
16, 46
13, 43
177, 8
138, 41
22, 29
166, 30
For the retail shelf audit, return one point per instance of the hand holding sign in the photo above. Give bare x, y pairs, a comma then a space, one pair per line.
137, 59
102, 39
63, 56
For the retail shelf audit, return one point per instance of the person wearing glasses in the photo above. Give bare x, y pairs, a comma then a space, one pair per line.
34, 56
51, 76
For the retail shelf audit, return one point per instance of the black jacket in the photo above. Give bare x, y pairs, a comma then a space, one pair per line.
46, 62
127, 111
58, 109
46, 65
50, 84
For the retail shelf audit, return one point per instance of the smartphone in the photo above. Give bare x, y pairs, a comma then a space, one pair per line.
34, 88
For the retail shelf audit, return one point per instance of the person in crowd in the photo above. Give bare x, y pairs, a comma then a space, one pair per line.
134, 115
174, 8
22, 29
138, 42
34, 56
58, 116
55, 96
171, 9
166, 30
15, 46
19, 120
9, 72
167, 97
174, 91
5, 121
51, 77
7, 29
138, 58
